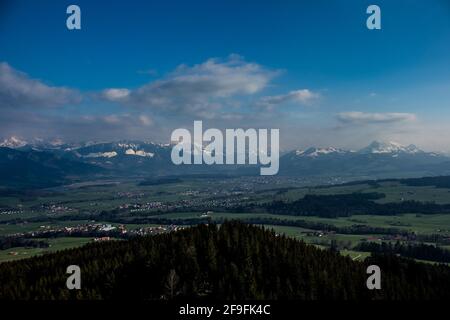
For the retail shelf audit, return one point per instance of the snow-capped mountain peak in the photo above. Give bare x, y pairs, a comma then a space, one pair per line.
315, 152
56, 142
13, 142
378, 147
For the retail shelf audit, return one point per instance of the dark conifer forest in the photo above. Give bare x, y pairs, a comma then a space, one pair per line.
417, 251
208, 262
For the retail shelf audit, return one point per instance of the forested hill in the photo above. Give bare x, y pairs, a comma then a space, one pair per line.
234, 261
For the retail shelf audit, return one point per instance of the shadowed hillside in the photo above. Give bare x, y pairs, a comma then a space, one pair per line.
234, 261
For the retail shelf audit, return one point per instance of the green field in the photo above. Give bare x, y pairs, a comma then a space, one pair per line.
55, 245
90, 199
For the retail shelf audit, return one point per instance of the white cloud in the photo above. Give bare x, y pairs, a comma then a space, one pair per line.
357, 117
194, 89
18, 90
303, 96
115, 94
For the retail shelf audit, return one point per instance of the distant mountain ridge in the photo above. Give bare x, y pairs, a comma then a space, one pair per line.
134, 158
15, 142
315, 152
376, 147
390, 147
37, 169
377, 160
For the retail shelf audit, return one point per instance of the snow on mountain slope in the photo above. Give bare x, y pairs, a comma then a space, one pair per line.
140, 153
315, 152
376, 147
390, 147
13, 143
101, 155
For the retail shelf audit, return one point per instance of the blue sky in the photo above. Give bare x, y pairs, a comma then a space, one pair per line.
311, 68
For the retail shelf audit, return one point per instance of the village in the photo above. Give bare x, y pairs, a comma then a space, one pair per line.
97, 231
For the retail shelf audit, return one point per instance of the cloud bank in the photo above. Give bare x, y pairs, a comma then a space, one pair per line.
18, 90
197, 89
303, 96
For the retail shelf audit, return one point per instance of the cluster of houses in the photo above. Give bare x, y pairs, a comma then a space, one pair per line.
9, 212
100, 232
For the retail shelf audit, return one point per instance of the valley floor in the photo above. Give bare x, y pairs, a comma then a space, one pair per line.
78, 214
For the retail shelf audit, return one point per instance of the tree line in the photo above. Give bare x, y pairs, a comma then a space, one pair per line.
210, 262
343, 205
13, 242
416, 251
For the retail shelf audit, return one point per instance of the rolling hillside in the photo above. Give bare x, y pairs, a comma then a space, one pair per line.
235, 261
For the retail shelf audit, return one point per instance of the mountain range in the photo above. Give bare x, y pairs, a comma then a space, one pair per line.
377, 160
44, 163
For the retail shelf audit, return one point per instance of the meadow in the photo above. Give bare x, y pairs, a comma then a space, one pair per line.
94, 198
